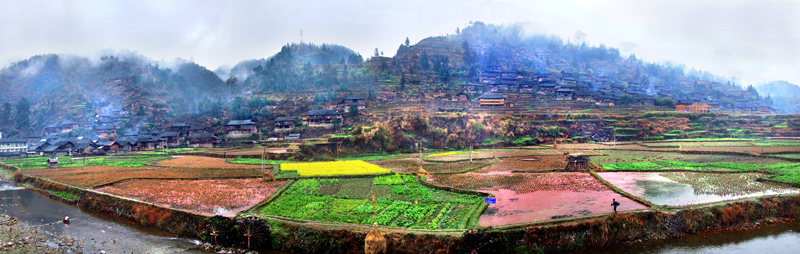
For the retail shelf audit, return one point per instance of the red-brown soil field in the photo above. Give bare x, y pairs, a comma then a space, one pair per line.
210, 197
201, 162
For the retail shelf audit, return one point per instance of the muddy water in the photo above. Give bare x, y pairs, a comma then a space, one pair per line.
101, 232
660, 190
513, 208
781, 238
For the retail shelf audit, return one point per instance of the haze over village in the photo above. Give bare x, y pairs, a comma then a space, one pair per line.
398, 127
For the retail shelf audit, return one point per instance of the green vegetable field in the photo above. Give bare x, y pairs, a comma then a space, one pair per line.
400, 202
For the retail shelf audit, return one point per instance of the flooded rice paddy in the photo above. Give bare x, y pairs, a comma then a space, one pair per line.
689, 188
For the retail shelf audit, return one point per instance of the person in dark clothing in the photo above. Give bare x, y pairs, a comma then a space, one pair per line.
614, 203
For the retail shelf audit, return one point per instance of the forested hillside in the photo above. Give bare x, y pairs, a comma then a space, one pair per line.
307, 76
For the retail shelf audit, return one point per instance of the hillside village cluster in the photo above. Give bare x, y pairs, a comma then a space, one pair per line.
491, 90
495, 82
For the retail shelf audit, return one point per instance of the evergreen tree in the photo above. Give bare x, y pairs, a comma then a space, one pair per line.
407, 42
469, 57
5, 114
424, 63
355, 58
23, 115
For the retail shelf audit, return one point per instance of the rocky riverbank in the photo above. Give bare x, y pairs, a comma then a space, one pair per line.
18, 237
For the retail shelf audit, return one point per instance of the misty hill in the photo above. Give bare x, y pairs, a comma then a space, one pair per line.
300, 53
462, 57
307, 76
75, 88
784, 95
779, 88
299, 68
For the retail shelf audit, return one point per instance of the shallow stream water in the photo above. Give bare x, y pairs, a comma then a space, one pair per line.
779, 238
99, 232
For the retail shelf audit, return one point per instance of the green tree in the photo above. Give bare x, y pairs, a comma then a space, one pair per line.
625, 99
664, 101
5, 114
469, 57
353, 110
355, 58
23, 115
407, 42
424, 63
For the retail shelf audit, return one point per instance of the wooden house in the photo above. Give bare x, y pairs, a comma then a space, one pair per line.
202, 140
283, 124
237, 129
85, 148
528, 86
172, 138
564, 94
492, 100
67, 126
322, 117
471, 88
181, 128
352, 100
53, 129
106, 130
146, 142
547, 86
197, 129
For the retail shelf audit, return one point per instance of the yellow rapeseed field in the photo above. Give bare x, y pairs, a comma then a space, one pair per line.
333, 168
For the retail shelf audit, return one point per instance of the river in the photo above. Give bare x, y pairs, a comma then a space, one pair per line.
99, 232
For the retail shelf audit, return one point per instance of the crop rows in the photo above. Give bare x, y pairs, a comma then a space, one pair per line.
100, 175
67, 162
400, 202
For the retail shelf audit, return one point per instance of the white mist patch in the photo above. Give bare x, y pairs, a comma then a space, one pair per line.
32, 69
222, 211
4, 186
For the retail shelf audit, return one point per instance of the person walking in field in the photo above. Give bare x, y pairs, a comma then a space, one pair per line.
614, 203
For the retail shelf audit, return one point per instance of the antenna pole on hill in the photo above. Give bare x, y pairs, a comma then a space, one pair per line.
301, 36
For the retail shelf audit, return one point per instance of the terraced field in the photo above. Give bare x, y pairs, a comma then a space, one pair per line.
400, 201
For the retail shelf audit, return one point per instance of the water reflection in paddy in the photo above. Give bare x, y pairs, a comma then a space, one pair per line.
688, 188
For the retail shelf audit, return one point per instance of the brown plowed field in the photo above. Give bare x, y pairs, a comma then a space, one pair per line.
527, 163
101, 175
210, 197
520, 183
503, 154
201, 162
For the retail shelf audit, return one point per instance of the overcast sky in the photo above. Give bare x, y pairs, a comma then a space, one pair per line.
754, 41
